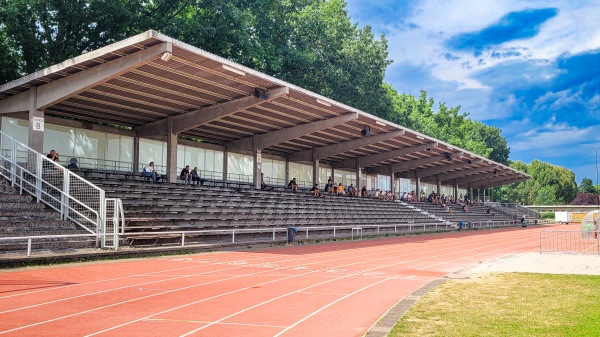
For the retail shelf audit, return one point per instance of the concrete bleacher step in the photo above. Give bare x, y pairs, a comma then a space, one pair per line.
21, 216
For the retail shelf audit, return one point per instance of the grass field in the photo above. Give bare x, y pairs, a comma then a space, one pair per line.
511, 304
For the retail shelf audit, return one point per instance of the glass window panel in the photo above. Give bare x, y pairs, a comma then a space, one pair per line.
151, 150
16, 128
61, 139
217, 162
126, 153
91, 144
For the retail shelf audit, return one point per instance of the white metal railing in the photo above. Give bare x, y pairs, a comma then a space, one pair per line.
573, 242
270, 234
69, 194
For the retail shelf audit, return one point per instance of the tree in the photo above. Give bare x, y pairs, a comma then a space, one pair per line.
549, 185
587, 186
585, 199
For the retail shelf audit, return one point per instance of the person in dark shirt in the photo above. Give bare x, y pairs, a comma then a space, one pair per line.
315, 191
185, 175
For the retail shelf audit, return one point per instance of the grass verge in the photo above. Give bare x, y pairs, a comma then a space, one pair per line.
511, 304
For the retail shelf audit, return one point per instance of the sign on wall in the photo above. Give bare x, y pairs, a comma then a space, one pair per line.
38, 123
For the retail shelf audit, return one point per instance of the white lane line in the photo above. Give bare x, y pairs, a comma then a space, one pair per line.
206, 322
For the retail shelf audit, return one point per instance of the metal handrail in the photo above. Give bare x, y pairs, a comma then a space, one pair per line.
306, 230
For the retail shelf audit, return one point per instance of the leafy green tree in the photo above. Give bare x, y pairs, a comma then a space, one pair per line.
587, 186
546, 195
549, 185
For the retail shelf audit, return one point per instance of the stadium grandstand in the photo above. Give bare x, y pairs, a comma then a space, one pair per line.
150, 98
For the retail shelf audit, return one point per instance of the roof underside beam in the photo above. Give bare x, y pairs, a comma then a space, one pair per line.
438, 169
266, 140
505, 182
379, 157
195, 118
465, 173
333, 149
406, 165
475, 177
66, 87
16, 103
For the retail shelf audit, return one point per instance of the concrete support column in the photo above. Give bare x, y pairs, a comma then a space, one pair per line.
358, 173
438, 183
483, 201
418, 186
471, 192
36, 127
315, 167
225, 164
136, 155
455, 185
171, 152
257, 161
287, 172
392, 187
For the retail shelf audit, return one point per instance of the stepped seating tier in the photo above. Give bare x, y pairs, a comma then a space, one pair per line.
21, 216
477, 213
151, 207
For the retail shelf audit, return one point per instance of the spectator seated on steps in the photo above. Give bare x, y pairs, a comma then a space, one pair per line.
363, 192
264, 186
186, 175
150, 172
73, 164
196, 177
315, 191
293, 185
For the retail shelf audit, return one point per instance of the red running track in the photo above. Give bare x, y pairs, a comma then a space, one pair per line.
336, 289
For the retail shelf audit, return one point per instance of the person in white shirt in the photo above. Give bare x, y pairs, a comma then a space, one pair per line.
150, 171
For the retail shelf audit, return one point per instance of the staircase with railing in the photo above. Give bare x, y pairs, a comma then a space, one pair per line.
71, 196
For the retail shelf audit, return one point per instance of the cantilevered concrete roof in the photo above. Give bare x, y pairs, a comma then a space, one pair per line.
154, 83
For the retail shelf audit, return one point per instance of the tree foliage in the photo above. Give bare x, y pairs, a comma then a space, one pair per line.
586, 199
549, 185
447, 124
587, 186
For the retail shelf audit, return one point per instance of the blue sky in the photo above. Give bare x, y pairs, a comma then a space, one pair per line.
531, 68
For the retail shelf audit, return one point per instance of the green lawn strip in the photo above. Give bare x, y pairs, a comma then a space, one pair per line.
511, 304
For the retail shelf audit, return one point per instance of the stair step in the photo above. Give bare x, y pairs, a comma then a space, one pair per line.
11, 205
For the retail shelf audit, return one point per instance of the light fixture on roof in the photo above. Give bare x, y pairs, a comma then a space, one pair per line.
260, 93
322, 102
428, 149
448, 156
495, 171
166, 56
233, 70
366, 131
470, 161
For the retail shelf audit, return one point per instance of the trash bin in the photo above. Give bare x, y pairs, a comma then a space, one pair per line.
461, 224
535, 222
291, 232
470, 225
